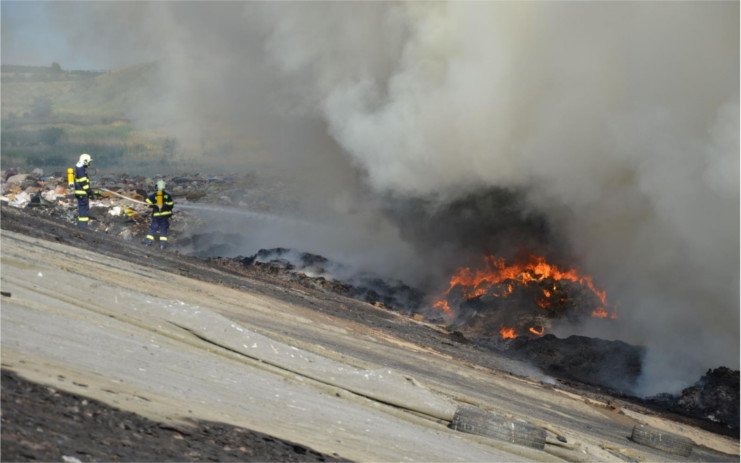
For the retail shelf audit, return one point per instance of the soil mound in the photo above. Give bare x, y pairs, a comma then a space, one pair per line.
715, 397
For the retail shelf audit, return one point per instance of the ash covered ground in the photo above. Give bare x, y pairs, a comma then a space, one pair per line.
34, 205
41, 423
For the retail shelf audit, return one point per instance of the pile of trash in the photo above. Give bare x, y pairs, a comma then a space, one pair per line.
318, 272
120, 207
715, 397
21, 189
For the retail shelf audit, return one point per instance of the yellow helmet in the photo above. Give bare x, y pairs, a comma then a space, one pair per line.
86, 159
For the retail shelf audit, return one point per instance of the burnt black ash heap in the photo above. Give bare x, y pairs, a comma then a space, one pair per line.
711, 398
589, 360
321, 273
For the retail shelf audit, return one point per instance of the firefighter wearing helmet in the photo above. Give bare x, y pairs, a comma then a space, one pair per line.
161, 203
83, 192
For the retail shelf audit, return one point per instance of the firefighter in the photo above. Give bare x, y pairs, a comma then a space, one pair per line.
83, 192
161, 203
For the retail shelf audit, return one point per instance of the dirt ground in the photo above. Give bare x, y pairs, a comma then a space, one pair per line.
30, 410
40, 423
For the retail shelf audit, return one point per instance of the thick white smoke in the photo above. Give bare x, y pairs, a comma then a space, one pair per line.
621, 120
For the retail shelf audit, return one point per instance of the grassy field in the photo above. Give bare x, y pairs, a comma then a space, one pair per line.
50, 116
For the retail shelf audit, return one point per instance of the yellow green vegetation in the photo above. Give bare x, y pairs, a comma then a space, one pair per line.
49, 116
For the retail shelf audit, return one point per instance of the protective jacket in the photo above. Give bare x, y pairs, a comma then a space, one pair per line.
82, 182
82, 193
160, 217
167, 205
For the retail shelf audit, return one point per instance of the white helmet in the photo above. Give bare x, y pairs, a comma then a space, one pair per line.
86, 159
161, 185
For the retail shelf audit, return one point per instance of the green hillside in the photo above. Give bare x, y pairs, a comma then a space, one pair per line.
49, 116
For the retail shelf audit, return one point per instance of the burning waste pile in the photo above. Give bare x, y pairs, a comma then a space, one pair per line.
521, 299
511, 309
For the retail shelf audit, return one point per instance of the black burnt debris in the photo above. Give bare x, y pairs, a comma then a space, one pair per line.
321, 273
711, 398
588, 360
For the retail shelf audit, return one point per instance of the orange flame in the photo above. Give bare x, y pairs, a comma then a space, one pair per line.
476, 283
508, 333
534, 331
600, 312
443, 305
495, 271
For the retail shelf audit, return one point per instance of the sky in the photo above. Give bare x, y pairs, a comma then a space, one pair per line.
39, 33
619, 122
29, 39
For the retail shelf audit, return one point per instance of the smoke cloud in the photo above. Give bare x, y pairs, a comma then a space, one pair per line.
615, 124
620, 120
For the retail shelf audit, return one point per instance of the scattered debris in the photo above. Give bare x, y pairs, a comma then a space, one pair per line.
715, 397
321, 273
111, 212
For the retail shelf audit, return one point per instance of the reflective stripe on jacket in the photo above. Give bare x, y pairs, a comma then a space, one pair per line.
82, 182
167, 204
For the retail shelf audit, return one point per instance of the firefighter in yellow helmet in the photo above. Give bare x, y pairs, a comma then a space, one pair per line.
162, 204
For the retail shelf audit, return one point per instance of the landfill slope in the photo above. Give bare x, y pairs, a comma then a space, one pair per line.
106, 324
126, 326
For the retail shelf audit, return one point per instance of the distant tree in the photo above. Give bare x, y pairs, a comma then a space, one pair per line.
51, 135
56, 68
41, 107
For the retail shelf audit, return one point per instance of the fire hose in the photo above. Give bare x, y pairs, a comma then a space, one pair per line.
228, 210
124, 197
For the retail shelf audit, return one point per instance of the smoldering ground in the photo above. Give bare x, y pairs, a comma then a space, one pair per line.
618, 121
